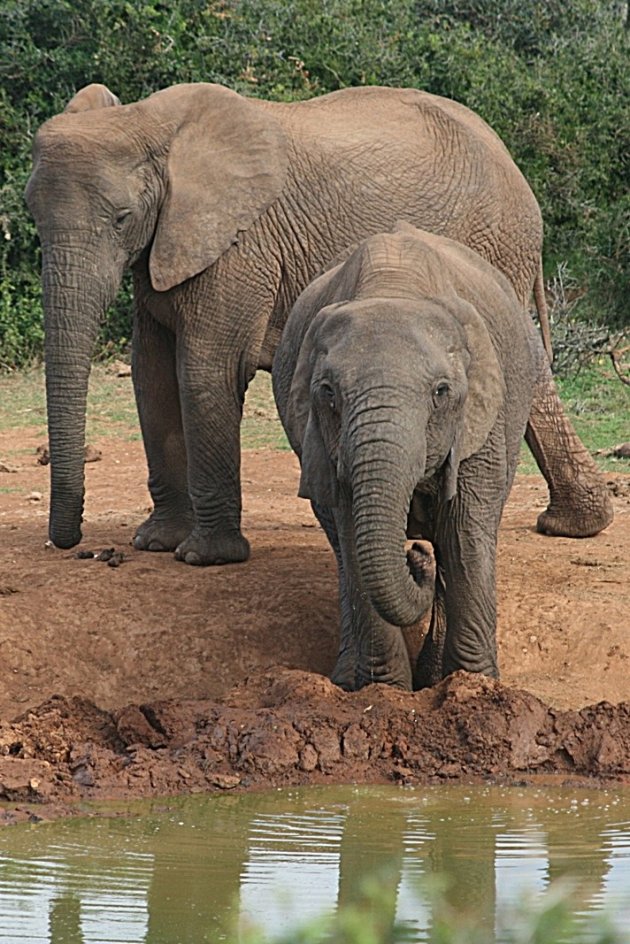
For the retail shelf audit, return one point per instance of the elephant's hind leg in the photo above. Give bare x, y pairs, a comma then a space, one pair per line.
157, 398
579, 502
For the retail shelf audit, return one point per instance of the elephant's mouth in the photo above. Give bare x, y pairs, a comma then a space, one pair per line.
421, 561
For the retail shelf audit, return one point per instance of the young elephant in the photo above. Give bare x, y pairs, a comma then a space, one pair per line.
404, 379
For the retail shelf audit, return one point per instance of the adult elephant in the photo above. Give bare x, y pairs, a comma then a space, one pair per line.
404, 379
225, 208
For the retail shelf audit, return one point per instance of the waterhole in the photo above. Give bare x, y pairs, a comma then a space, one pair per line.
207, 869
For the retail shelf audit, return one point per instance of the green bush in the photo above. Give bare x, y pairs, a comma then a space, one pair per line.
371, 920
551, 77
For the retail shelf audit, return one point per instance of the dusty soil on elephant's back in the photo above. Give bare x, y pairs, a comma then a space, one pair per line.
153, 677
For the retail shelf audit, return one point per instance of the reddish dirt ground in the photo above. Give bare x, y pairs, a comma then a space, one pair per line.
158, 678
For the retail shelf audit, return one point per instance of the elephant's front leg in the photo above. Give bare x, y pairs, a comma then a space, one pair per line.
212, 405
470, 603
463, 627
344, 672
157, 398
579, 502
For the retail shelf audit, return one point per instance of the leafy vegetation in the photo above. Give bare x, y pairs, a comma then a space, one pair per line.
551, 76
371, 920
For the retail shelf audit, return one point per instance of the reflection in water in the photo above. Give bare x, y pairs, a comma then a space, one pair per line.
194, 871
65, 919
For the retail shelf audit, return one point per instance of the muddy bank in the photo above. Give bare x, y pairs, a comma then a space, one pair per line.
290, 727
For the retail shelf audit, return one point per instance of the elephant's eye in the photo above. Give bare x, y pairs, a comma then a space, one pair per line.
121, 216
328, 396
441, 392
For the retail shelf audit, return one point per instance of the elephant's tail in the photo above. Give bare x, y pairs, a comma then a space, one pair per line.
543, 313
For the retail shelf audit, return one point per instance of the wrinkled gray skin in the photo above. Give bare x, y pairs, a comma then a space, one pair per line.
404, 379
225, 209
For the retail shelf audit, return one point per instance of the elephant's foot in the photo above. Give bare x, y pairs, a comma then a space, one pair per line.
202, 549
350, 675
395, 670
573, 519
344, 673
162, 534
429, 667
427, 670
395, 677
579, 503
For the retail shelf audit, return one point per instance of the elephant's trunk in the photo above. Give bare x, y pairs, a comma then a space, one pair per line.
74, 303
383, 480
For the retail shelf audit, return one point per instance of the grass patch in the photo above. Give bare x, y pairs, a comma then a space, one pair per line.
261, 427
599, 405
111, 408
597, 402
23, 400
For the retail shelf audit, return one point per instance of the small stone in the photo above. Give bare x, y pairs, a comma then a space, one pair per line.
84, 776
35, 497
356, 743
225, 781
449, 770
120, 369
92, 454
308, 758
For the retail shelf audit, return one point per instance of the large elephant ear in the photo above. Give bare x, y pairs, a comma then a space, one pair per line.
91, 97
227, 163
318, 479
486, 385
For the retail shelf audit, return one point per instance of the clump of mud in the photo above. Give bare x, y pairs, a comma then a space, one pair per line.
288, 727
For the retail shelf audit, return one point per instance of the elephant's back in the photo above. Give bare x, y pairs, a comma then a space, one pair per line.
393, 154
404, 138
352, 112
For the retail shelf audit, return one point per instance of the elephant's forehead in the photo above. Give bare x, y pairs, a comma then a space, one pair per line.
386, 325
103, 135
370, 353
80, 168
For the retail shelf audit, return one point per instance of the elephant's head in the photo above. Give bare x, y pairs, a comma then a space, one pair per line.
389, 394
181, 174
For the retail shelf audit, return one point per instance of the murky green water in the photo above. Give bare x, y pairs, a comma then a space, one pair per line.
193, 871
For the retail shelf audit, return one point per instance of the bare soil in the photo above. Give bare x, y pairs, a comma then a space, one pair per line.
153, 677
